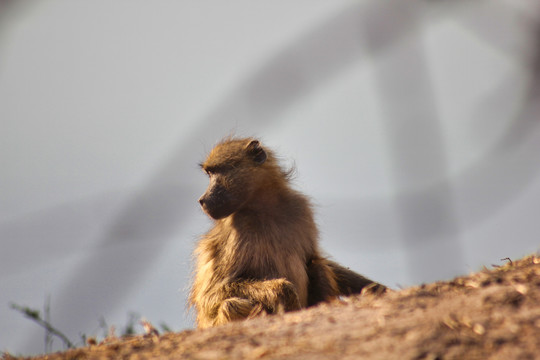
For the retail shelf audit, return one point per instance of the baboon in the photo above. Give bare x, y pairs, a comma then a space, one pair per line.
261, 256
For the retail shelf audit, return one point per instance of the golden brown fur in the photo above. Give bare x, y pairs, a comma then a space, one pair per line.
261, 255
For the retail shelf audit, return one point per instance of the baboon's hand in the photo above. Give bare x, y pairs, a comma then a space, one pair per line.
272, 295
233, 309
279, 295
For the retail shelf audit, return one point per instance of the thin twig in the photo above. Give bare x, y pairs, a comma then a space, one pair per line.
34, 315
48, 334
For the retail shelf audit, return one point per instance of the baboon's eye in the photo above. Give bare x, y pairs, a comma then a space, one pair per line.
217, 169
208, 170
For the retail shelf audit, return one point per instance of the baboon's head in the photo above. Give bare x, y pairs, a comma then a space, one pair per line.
236, 169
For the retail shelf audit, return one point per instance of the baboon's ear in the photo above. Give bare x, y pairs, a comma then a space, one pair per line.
255, 150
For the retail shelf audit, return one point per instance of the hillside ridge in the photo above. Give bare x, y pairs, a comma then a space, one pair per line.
490, 314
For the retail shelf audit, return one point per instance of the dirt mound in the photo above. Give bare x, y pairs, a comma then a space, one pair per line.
492, 314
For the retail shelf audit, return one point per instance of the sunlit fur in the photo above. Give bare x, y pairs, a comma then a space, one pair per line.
261, 255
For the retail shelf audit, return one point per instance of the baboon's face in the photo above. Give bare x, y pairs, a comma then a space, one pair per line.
225, 193
230, 168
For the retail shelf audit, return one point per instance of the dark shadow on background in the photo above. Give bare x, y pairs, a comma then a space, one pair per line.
416, 137
10, 9
7, 8
511, 165
412, 124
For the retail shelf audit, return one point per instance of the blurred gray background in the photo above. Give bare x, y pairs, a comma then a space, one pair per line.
414, 126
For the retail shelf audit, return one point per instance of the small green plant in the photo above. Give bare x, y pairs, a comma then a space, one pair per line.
165, 328
129, 328
50, 330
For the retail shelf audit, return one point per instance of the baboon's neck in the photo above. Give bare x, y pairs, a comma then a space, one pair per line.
278, 205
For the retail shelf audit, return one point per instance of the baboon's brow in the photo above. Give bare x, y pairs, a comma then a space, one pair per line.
218, 168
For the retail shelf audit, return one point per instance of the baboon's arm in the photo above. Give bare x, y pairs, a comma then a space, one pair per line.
273, 295
244, 299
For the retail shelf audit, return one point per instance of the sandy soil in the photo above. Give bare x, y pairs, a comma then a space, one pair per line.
491, 314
